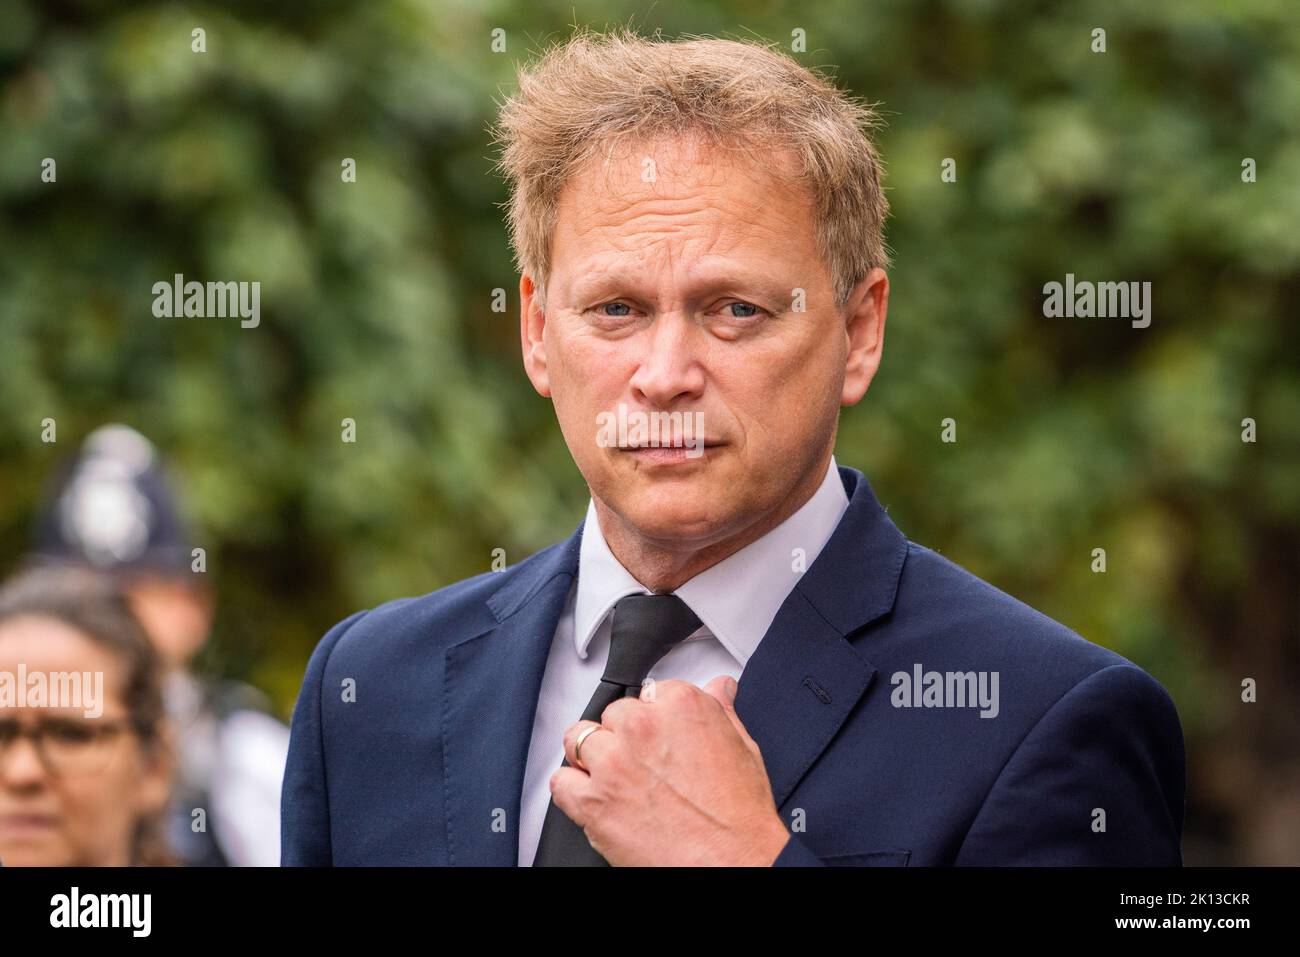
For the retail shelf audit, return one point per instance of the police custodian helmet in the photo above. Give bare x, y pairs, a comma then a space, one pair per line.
112, 508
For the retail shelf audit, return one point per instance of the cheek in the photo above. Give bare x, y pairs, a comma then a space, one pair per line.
102, 807
816, 366
781, 383
592, 377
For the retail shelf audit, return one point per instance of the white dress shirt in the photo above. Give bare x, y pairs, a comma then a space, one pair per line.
736, 600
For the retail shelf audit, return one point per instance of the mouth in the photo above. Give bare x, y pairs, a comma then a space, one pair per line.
678, 454
18, 825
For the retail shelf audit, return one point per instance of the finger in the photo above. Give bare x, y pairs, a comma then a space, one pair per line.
717, 689
567, 787
652, 689
591, 747
615, 712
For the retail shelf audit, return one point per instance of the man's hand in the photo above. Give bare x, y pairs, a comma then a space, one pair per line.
672, 778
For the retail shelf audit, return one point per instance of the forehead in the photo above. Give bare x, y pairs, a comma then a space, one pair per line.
684, 193
45, 644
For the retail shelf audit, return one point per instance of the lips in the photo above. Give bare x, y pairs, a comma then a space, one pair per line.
666, 455
27, 823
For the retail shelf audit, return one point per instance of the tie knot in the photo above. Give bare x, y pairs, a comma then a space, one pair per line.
645, 628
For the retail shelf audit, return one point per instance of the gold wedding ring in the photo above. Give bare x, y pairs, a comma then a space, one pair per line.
577, 748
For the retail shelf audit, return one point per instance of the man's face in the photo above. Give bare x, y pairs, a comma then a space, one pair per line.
673, 288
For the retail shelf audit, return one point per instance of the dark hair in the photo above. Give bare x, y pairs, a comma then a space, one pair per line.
96, 607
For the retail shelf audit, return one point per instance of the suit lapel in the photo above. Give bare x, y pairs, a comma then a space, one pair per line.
805, 678
491, 684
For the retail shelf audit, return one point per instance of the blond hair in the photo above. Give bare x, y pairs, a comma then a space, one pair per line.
586, 94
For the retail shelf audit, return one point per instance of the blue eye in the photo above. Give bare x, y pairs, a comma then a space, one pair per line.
744, 305
616, 305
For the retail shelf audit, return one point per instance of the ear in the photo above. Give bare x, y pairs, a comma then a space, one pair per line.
864, 328
532, 327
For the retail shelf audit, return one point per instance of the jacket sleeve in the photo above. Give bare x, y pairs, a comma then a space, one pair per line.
304, 800
1098, 780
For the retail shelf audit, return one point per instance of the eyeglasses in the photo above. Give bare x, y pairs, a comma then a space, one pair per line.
66, 746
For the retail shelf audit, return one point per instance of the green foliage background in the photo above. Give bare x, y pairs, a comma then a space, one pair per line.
376, 305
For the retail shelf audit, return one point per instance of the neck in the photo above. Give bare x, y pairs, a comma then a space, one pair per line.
665, 566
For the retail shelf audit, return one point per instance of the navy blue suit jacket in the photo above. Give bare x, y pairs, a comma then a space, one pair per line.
1082, 765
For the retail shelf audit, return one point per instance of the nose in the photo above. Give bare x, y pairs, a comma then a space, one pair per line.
21, 765
670, 371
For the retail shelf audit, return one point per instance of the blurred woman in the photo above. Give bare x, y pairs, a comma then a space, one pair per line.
83, 785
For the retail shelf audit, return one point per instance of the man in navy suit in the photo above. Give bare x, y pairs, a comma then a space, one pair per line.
736, 658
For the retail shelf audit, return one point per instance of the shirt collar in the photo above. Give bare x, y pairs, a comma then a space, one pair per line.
737, 598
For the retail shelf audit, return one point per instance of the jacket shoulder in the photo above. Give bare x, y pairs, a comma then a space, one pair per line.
440, 618
971, 620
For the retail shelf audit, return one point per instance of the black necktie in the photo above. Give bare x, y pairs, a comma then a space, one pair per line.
645, 628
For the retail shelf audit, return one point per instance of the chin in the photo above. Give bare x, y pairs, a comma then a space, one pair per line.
673, 512
30, 855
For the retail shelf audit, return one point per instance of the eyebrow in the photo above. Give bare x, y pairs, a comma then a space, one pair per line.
594, 287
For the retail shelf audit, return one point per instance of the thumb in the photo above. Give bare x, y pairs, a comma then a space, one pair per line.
723, 690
